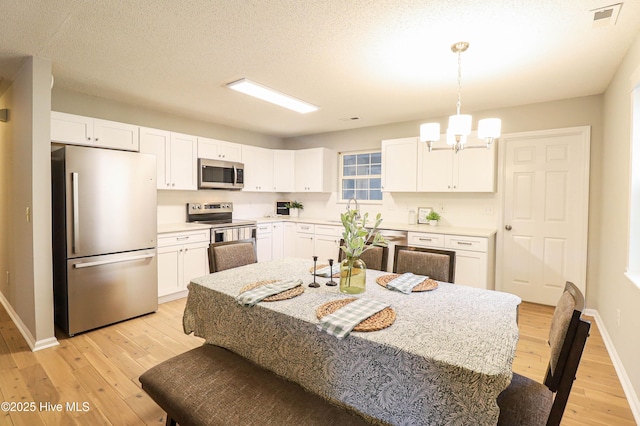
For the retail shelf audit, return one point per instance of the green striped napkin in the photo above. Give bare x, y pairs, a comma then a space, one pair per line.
326, 271
406, 282
341, 322
255, 295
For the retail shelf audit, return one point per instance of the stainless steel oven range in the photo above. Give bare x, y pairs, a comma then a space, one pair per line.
219, 216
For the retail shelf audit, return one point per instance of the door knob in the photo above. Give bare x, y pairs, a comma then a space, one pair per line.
508, 227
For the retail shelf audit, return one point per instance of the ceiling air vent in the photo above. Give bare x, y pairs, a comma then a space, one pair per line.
606, 16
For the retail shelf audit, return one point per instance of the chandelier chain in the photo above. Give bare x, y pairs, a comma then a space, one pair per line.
459, 103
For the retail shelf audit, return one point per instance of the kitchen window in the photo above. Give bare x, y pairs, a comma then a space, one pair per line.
361, 176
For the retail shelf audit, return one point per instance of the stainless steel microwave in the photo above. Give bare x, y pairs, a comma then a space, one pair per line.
216, 174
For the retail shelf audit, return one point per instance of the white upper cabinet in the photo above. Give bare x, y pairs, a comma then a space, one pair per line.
215, 149
469, 170
283, 170
258, 169
176, 155
184, 159
80, 130
315, 170
399, 165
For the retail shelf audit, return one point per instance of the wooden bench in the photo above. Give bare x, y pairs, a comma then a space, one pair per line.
211, 385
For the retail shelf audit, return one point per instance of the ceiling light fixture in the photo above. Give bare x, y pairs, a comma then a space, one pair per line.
259, 91
460, 124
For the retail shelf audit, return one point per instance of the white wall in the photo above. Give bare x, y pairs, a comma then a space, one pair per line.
26, 251
615, 291
468, 210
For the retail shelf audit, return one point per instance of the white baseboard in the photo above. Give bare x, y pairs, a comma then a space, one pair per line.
629, 392
34, 345
173, 296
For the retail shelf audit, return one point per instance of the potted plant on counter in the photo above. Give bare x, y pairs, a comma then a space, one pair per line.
433, 218
357, 239
294, 208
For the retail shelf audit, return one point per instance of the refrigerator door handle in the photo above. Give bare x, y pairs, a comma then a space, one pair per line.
106, 262
75, 246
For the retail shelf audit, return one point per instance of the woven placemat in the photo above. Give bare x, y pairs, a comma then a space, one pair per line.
425, 285
288, 294
336, 273
377, 321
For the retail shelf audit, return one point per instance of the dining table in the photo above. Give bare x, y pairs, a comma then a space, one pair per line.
443, 360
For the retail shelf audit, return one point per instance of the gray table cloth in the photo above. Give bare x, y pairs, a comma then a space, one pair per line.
444, 360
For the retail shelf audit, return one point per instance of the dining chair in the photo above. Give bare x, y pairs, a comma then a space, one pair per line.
436, 264
528, 402
375, 257
231, 254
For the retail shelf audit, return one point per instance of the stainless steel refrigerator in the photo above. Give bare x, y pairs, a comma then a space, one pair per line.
104, 236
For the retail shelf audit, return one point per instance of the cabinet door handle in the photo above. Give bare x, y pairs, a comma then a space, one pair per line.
425, 239
186, 237
464, 243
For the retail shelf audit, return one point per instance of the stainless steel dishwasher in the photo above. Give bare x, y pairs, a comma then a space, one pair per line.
394, 238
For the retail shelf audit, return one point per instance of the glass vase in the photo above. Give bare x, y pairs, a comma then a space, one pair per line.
353, 275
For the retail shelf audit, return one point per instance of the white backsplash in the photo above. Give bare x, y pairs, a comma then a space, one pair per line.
457, 209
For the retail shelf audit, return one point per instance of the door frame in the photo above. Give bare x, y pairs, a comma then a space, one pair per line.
585, 133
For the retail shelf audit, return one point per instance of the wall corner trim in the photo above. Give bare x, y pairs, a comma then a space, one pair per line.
632, 396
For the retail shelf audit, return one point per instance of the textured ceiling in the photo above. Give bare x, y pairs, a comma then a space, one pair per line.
381, 60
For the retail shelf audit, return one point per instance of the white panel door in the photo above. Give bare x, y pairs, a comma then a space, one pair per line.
545, 213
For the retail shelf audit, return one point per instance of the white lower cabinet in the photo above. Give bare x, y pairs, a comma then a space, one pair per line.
270, 241
316, 240
474, 255
289, 239
327, 242
277, 243
264, 242
182, 256
304, 240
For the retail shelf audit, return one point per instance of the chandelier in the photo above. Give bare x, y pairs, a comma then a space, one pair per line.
460, 124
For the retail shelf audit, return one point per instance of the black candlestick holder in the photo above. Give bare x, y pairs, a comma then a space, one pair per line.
331, 282
314, 284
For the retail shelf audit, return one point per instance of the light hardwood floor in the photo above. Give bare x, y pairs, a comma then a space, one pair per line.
99, 371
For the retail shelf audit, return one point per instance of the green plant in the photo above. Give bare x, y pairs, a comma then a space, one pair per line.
433, 216
356, 235
294, 205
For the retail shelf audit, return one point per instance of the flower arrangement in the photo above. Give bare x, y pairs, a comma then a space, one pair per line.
356, 236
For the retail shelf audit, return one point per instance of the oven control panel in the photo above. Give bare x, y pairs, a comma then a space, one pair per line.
208, 208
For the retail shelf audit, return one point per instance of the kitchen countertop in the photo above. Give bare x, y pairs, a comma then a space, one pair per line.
396, 226
164, 228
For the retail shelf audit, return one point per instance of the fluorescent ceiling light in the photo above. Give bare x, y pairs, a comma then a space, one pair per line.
256, 90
